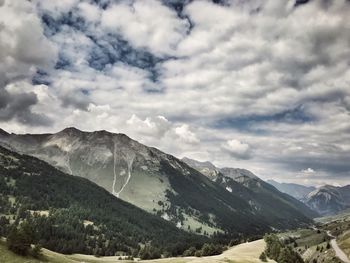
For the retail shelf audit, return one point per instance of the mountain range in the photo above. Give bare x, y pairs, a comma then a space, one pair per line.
250, 187
298, 191
329, 200
234, 201
326, 200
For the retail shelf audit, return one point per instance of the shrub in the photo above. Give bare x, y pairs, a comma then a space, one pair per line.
149, 252
19, 241
263, 257
189, 252
36, 251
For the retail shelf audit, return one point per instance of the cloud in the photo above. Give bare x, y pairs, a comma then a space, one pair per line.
155, 127
146, 24
308, 171
18, 106
22, 42
238, 149
89, 11
23, 50
186, 135
56, 8
240, 84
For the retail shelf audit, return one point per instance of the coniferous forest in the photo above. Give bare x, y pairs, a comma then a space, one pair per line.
70, 214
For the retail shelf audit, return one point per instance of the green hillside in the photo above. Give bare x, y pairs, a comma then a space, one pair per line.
70, 214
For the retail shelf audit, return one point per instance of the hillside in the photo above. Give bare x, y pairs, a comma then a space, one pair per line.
248, 186
326, 200
154, 181
243, 253
326, 242
70, 214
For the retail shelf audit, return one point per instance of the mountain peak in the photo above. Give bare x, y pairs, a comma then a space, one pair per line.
3, 132
196, 163
102, 132
70, 130
238, 172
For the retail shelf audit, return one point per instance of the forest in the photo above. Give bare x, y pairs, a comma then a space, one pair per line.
69, 214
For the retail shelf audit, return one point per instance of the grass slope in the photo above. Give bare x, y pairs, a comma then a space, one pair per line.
7, 256
243, 253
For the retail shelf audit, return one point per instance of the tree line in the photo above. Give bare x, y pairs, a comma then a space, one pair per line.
278, 251
28, 184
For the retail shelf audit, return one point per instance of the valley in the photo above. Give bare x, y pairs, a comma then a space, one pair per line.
77, 219
327, 241
174, 131
315, 245
163, 185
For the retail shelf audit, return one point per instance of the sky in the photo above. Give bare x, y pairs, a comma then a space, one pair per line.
256, 84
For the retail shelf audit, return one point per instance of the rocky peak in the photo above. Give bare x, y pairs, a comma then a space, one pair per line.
234, 173
70, 131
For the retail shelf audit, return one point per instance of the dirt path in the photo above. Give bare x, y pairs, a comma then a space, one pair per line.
338, 251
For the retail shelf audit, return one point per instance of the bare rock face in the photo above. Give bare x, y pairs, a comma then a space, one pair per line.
329, 200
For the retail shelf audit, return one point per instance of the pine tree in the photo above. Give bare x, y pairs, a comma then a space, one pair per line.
19, 241
263, 257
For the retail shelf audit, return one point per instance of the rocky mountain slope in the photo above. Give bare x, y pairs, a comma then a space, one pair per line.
154, 181
326, 200
250, 187
296, 190
329, 200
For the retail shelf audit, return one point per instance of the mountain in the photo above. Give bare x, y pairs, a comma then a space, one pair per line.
206, 168
329, 200
326, 200
296, 190
250, 187
70, 214
155, 181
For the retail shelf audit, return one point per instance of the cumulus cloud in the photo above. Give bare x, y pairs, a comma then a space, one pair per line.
238, 149
146, 24
89, 11
308, 171
23, 45
23, 50
18, 105
246, 70
186, 135
155, 127
56, 8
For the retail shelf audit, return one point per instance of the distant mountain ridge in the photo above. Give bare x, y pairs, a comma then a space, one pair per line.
329, 200
326, 200
250, 187
154, 181
298, 191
